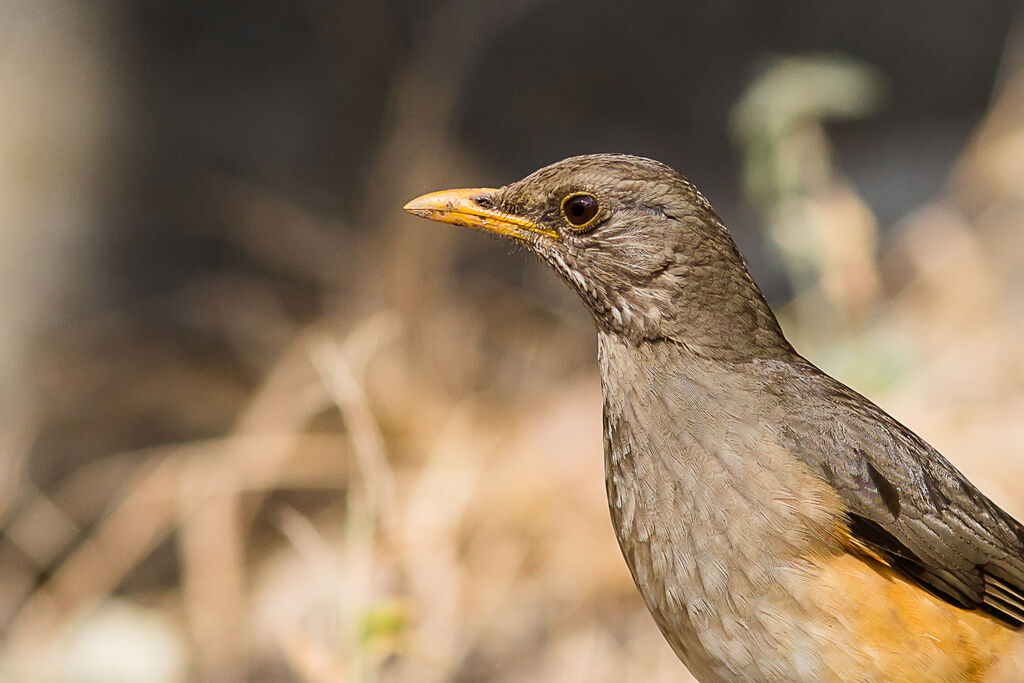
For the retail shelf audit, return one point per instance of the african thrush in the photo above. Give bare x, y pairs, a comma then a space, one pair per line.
779, 525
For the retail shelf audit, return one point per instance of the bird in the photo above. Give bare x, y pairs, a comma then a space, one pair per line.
778, 525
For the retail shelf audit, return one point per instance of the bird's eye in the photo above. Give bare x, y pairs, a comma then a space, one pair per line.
580, 209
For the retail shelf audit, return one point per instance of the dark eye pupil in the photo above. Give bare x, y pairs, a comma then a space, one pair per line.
581, 209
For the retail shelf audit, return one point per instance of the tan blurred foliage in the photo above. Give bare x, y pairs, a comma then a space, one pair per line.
413, 491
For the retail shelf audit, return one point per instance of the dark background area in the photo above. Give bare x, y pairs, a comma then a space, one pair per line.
296, 97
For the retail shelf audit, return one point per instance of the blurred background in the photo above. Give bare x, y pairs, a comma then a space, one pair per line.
256, 424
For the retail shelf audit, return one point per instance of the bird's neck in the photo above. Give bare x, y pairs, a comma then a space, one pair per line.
717, 316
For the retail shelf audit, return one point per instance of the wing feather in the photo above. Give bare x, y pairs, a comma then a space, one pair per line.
908, 503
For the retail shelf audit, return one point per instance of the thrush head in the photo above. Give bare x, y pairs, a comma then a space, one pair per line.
642, 248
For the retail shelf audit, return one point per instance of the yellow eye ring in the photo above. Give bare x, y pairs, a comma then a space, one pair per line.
580, 209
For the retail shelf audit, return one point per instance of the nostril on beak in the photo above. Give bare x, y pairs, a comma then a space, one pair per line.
484, 201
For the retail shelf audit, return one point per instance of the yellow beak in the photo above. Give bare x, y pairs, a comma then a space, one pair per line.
459, 207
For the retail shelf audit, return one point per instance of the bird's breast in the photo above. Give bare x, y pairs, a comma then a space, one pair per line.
715, 522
